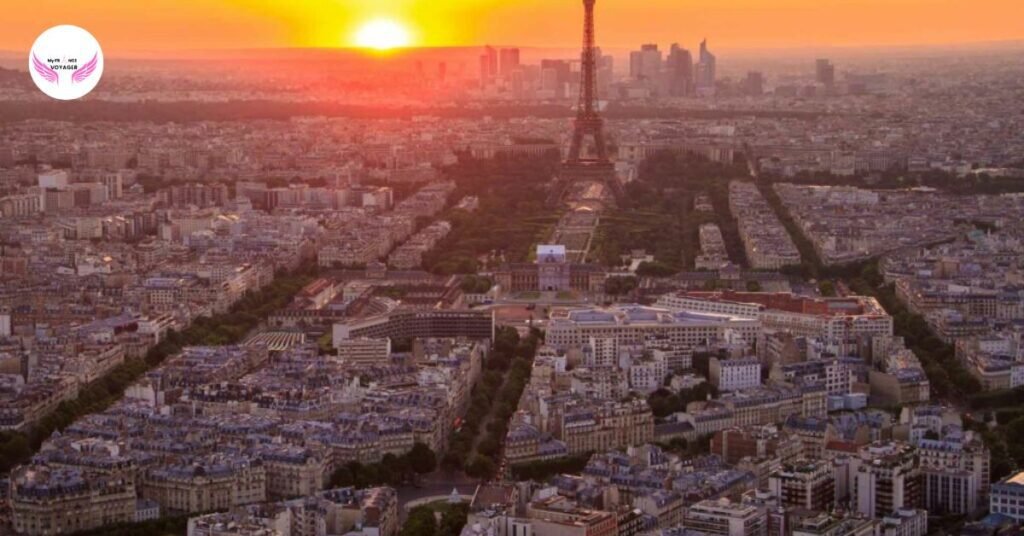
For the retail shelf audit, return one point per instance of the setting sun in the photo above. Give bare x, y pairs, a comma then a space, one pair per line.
382, 34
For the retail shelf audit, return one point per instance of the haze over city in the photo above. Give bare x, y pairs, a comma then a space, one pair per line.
533, 268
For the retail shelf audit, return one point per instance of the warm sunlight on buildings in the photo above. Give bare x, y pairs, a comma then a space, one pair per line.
382, 34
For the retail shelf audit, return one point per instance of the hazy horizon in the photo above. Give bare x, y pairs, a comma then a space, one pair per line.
744, 52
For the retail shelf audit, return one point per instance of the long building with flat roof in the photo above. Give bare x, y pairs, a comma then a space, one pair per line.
632, 324
468, 324
832, 318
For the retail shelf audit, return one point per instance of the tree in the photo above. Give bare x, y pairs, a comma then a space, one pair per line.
545, 469
510, 215
421, 458
655, 269
342, 477
481, 467
702, 391
489, 446
453, 519
421, 522
455, 457
14, 449
506, 339
618, 285
389, 469
473, 284
662, 403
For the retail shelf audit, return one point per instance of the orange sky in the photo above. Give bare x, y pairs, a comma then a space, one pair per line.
134, 26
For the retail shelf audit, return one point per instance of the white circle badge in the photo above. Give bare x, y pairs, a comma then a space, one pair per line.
65, 62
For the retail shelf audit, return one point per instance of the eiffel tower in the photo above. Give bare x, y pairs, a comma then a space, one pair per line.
597, 168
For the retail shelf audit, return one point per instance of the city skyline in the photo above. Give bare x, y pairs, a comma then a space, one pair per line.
244, 24
636, 288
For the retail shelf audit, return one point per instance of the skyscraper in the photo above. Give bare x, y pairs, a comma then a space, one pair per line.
754, 84
508, 61
605, 71
825, 72
556, 75
706, 67
645, 64
679, 70
488, 65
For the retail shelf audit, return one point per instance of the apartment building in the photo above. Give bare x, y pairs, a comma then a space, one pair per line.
216, 484
824, 524
608, 425
723, 517
62, 500
363, 350
885, 476
804, 484
734, 374
734, 444
1007, 497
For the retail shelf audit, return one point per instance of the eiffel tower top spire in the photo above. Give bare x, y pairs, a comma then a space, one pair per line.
588, 82
588, 120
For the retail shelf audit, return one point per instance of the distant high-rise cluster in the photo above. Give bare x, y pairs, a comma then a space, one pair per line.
555, 76
508, 61
503, 73
645, 63
825, 73
651, 72
679, 65
754, 83
706, 67
673, 75
488, 65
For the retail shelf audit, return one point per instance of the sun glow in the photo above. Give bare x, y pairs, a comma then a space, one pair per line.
382, 34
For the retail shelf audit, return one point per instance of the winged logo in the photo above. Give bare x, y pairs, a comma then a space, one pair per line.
86, 70
59, 62
45, 71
